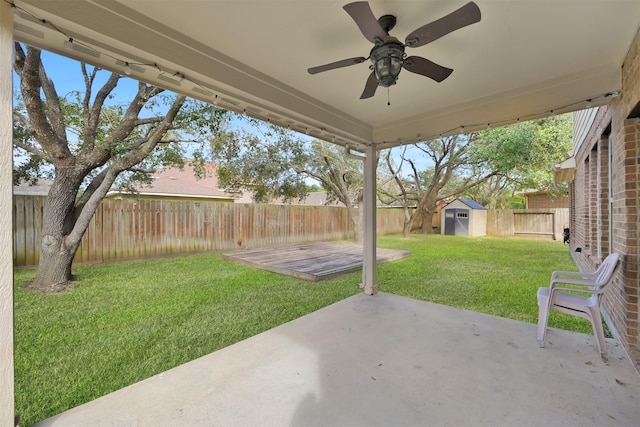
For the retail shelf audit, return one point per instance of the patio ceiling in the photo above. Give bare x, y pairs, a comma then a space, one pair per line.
522, 61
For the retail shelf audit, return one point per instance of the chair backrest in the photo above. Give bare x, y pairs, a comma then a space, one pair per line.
605, 271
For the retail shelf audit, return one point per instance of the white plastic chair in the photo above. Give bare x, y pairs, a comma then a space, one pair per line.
595, 283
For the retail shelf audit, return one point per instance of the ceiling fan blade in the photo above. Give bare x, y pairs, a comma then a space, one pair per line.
423, 66
337, 64
370, 87
466, 15
361, 13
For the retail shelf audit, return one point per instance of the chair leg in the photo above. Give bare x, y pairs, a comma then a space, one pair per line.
543, 315
598, 332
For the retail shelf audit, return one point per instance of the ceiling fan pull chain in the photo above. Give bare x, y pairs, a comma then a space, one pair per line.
388, 96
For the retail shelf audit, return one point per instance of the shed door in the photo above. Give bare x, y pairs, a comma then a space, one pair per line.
462, 222
456, 222
450, 222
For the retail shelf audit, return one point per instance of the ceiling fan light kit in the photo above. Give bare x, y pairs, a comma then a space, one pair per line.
387, 60
388, 55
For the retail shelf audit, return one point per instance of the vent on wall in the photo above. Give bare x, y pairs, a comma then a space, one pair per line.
169, 78
28, 30
202, 91
228, 101
134, 67
82, 49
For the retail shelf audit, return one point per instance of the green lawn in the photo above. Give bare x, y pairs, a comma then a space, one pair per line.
125, 322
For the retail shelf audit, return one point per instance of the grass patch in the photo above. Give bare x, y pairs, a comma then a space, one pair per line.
497, 276
121, 323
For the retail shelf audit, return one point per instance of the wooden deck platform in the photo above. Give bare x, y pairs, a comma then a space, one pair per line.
312, 261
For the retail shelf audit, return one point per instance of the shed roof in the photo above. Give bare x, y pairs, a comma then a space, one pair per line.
470, 203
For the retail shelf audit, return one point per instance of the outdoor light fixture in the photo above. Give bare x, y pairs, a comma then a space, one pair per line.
387, 60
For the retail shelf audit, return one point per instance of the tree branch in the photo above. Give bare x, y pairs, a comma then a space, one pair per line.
30, 86
133, 157
130, 118
90, 204
149, 120
33, 150
92, 115
468, 185
88, 192
54, 110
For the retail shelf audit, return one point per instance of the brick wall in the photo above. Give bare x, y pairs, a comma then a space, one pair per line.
604, 212
602, 199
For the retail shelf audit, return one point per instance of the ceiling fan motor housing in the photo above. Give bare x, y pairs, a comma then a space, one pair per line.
387, 60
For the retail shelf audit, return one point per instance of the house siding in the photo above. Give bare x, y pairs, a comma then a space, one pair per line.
582, 121
605, 198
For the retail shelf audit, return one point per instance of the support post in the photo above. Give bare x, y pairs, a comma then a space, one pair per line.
7, 405
369, 221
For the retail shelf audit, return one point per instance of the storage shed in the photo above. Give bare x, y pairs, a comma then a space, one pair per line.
464, 217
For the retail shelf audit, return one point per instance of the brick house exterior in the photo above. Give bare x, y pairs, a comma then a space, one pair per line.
605, 199
545, 200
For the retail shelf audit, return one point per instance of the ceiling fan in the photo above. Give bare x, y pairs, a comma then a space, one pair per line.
388, 56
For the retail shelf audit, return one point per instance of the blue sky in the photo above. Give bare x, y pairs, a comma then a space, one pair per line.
67, 76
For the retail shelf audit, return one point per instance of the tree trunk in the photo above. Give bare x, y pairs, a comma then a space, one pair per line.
356, 218
427, 221
57, 250
54, 267
428, 209
407, 225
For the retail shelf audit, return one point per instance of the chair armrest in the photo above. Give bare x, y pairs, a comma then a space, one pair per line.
568, 281
559, 273
565, 288
577, 285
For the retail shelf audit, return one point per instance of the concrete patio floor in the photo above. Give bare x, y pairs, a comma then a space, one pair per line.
385, 360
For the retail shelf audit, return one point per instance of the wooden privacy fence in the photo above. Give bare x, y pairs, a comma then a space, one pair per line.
535, 223
135, 228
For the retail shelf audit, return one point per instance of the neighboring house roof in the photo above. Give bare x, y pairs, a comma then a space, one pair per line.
470, 203
314, 198
172, 181
531, 193
41, 188
317, 198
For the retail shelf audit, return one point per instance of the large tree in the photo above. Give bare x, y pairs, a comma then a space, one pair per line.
489, 166
88, 140
526, 152
451, 169
276, 164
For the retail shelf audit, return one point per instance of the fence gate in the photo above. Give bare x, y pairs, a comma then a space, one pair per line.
534, 224
456, 222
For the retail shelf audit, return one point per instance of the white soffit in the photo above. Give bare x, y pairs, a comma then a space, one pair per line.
564, 172
522, 61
